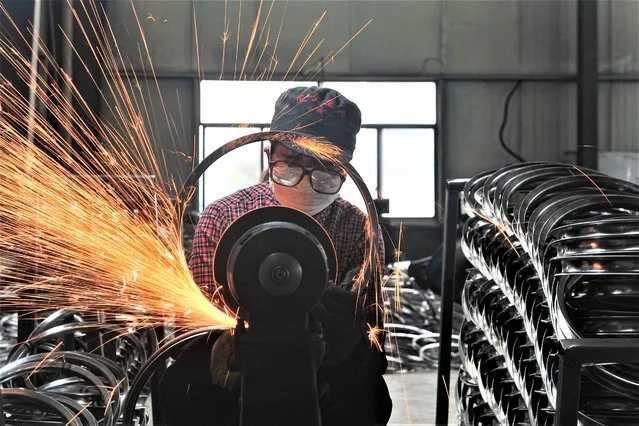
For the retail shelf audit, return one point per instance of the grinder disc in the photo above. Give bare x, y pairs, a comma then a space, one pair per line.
261, 217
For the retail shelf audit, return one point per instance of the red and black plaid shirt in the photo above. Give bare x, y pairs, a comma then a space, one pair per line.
343, 222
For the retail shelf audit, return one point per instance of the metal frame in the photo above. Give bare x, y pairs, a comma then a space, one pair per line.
574, 354
451, 216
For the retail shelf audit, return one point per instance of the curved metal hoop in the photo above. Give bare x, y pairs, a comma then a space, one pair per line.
190, 184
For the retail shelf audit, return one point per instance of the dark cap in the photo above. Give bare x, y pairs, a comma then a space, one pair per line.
318, 112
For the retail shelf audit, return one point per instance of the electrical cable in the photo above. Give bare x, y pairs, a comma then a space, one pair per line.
504, 122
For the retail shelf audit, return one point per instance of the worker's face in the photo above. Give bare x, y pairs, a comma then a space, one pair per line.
310, 192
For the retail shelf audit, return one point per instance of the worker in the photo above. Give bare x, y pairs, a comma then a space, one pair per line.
350, 383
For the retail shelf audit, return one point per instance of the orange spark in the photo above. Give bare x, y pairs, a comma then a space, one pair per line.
501, 230
197, 44
256, 25
374, 336
593, 182
304, 42
107, 404
397, 271
89, 214
224, 37
237, 45
97, 230
266, 40
72, 419
274, 62
319, 148
48, 357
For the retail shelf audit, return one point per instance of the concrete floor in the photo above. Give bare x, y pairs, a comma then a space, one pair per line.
414, 396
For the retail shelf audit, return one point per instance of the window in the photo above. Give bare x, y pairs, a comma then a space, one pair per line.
408, 172
398, 122
365, 162
405, 115
396, 103
226, 102
236, 170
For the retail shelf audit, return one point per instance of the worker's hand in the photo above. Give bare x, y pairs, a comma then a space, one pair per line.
342, 323
224, 369
347, 282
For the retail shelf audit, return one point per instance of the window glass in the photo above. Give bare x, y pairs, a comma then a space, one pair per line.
365, 162
230, 101
408, 172
236, 170
391, 102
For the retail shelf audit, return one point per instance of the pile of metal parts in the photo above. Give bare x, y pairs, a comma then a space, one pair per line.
413, 321
556, 252
71, 371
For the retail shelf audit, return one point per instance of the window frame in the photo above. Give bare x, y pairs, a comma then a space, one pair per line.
393, 220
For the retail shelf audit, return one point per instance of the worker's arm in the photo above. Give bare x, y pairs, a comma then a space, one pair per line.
371, 293
209, 229
347, 314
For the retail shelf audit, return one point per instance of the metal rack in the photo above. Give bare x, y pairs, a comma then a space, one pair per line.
574, 353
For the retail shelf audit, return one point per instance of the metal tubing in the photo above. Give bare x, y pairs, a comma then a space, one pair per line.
568, 393
33, 77
380, 194
575, 353
453, 188
440, 145
67, 57
587, 87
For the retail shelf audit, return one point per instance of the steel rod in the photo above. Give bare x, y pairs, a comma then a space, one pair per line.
587, 84
453, 188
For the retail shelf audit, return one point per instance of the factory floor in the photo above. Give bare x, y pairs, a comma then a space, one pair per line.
414, 396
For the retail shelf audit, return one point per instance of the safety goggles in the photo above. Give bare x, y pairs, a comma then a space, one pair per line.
324, 181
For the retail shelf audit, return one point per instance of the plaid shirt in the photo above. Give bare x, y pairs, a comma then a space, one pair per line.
343, 222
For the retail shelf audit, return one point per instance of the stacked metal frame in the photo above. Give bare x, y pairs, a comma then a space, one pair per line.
72, 371
555, 251
412, 322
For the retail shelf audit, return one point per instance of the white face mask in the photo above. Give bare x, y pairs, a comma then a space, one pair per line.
302, 197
